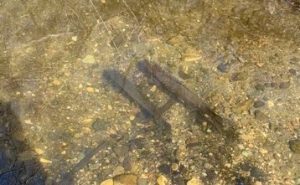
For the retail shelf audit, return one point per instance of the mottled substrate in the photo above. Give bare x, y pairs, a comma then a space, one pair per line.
242, 57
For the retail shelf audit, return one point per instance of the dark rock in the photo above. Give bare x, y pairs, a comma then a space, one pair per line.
295, 146
284, 85
100, 124
165, 169
258, 104
293, 71
260, 87
274, 85
137, 143
223, 67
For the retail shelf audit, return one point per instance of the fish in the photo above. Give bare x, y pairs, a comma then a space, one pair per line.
180, 92
131, 90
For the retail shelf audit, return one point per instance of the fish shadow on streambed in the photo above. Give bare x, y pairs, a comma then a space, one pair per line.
13, 169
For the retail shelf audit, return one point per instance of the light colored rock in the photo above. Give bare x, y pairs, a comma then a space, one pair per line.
194, 181
39, 151
74, 38
162, 180
107, 182
56, 82
125, 179
45, 161
89, 59
90, 89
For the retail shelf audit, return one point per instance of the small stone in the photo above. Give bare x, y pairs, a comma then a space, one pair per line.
175, 167
46, 161
162, 180
131, 118
39, 151
284, 85
100, 125
295, 146
165, 169
223, 67
74, 38
194, 181
28, 121
107, 182
109, 107
270, 104
258, 104
257, 183
293, 71
90, 89
263, 151
125, 179
89, 59
56, 82
153, 88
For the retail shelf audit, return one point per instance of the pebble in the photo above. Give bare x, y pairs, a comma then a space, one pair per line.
258, 104
165, 169
263, 151
89, 59
295, 146
293, 71
270, 104
125, 179
162, 180
99, 124
153, 88
223, 67
46, 161
284, 85
131, 118
39, 151
175, 167
194, 181
90, 89
56, 82
74, 38
107, 182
